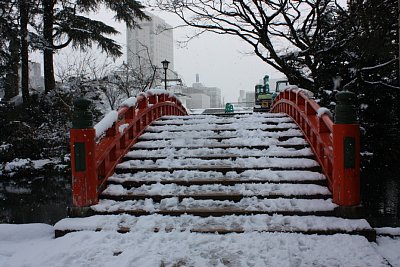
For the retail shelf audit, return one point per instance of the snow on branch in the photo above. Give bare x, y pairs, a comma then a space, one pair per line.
380, 65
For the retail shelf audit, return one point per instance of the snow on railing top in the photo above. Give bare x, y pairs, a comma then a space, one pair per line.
107, 122
308, 93
129, 102
160, 92
321, 111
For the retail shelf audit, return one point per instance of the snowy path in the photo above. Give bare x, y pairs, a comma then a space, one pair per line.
176, 248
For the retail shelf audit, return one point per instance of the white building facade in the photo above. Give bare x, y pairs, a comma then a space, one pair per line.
150, 44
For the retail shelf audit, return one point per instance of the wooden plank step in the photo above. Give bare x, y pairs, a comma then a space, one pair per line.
227, 134
124, 223
273, 151
207, 117
151, 146
269, 121
204, 116
204, 196
210, 157
205, 168
205, 208
216, 191
269, 128
221, 181
185, 177
216, 138
239, 165
212, 143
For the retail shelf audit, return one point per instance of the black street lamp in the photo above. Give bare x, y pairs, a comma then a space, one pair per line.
165, 67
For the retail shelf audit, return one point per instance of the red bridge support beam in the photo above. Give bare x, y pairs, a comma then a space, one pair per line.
94, 158
83, 164
336, 145
346, 162
346, 152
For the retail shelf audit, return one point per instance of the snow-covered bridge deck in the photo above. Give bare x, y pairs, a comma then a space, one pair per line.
245, 190
258, 182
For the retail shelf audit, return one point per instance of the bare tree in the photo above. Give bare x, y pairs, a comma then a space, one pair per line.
85, 72
287, 35
138, 77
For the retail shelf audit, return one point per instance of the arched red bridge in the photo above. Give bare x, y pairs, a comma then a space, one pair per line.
151, 158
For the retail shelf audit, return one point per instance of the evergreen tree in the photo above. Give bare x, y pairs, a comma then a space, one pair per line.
67, 22
369, 67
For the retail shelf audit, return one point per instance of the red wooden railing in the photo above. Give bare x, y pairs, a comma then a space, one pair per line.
93, 161
336, 146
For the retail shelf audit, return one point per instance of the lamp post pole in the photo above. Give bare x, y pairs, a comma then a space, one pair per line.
165, 67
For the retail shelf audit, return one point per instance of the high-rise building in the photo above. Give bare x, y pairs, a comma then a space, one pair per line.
152, 42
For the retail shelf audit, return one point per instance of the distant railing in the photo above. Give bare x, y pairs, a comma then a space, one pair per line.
336, 145
96, 150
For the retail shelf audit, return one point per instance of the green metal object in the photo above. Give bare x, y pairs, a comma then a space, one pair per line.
259, 89
349, 153
82, 117
79, 153
229, 108
345, 111
266, 83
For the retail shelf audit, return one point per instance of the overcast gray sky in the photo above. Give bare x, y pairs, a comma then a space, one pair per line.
220, 60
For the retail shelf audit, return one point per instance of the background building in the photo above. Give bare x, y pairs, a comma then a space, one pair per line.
198, 95
150, 44
198, 101
250, 99
36, 81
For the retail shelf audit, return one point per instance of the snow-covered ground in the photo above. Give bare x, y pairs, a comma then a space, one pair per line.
34, 245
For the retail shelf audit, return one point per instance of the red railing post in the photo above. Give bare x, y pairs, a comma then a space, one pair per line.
346, 152
83, 157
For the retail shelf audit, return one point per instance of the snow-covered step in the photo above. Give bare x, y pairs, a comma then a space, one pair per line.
220, 134
217, 191
205, 208
224, 139
147, 146
187, 177
224, 127
226, 224
239, 165
231, 142
219, 153
211, 117
143, 156
221, 121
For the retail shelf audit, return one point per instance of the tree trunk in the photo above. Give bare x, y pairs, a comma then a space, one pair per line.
48, 21
24, 16
12, 82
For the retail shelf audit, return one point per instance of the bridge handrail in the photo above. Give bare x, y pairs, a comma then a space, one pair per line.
94, 155
335, 145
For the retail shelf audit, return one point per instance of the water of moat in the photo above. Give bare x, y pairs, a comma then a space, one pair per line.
45, 199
